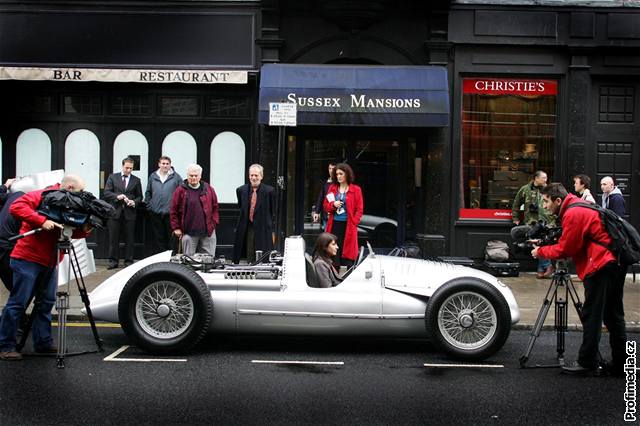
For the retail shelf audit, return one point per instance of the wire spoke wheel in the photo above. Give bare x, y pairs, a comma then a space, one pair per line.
467, 320
164, 309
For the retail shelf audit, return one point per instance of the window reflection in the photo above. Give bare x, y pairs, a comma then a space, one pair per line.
228, 169
33, 152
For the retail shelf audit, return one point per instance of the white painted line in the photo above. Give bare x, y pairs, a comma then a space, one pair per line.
464, 365
113, 356
259, 361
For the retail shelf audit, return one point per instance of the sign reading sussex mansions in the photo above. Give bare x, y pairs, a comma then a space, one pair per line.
124, 75
358, 95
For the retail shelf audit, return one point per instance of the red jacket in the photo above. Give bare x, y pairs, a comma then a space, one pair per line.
580, 227
38, 248
208, 200
355, 208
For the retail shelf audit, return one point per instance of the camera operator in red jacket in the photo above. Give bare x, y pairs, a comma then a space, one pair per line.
33, 261
584, 239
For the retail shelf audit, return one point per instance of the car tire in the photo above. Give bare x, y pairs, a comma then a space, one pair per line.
468, 319
165, 308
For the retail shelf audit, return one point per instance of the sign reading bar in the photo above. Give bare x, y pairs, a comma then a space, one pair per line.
283, 114
509, 86
124, 75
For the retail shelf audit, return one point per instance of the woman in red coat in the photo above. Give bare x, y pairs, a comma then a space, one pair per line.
344, 206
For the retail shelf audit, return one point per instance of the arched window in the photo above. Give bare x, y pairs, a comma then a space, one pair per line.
132, 143
181, 147
33, 152
82, 158
227, 165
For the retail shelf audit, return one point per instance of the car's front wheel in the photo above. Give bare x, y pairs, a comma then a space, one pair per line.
468, 319
165, 308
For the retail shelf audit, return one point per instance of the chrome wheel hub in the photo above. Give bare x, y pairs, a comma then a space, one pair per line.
467, 320
164, 309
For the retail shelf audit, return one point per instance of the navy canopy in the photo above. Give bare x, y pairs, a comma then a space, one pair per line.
387, 96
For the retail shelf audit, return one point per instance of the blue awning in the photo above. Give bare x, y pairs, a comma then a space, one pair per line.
334, 95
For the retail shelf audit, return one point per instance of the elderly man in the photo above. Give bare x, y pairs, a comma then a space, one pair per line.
160, 189
612, 198
33, 261
257, 203
194, 213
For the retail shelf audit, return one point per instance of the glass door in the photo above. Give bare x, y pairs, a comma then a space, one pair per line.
376, 163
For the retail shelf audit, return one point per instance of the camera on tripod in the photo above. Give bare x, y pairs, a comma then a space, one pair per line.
524, 236
75, 210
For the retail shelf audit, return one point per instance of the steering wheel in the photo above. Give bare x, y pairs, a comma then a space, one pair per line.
360, 257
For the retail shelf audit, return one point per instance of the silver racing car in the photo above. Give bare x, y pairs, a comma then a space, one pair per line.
168, 305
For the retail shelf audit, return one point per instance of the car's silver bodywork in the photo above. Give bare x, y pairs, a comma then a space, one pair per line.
383, 296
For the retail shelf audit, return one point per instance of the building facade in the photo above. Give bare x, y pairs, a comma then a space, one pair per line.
549, 85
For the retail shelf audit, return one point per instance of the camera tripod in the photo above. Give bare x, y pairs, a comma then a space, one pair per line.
559, 292
65, 246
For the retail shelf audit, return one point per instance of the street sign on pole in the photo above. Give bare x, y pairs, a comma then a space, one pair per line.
282, 114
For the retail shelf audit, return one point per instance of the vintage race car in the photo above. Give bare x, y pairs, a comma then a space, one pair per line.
168, 305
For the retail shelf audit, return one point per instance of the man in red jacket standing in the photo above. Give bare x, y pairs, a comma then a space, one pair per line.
33, 261
584, 239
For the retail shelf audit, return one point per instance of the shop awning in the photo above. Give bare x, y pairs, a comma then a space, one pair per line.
333, 95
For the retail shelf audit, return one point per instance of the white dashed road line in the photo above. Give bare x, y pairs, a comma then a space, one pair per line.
113, 356
260, 361
464, 365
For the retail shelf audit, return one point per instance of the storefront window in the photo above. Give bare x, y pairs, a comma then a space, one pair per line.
508, 132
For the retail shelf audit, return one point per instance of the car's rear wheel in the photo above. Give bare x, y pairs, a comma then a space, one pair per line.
165, 308
468, 319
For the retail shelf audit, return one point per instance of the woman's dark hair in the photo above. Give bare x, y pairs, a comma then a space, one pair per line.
584, 180
323, 241
348, 172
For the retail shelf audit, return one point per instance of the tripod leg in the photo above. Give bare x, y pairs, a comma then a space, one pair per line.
542, 315
62, 304
561, 323
82, 289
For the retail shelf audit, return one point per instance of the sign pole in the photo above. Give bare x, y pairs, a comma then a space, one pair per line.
282, 188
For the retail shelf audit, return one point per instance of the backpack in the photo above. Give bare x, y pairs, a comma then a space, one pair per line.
625, 240
496, 251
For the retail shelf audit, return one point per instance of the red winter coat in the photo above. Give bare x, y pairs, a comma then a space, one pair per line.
208, 200
580, 227
355, 208
38, 248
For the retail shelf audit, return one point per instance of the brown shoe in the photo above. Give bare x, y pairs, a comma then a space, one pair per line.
11, 356
540, 275
549, 272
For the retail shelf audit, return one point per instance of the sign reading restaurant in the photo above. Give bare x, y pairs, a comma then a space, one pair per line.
124, 75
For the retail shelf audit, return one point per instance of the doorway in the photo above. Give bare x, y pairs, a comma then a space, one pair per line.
383, 164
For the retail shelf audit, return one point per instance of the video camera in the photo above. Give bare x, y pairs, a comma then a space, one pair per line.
544, 235
75, 209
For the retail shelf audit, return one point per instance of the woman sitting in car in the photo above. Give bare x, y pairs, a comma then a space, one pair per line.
326, 248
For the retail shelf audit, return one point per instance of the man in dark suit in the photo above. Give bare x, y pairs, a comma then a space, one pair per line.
124, 191
257, 203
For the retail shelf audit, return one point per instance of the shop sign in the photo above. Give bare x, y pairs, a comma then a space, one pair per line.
282, 114
485, 214
509, 86
124, 75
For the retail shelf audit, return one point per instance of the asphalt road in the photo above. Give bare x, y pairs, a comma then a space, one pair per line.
378, 382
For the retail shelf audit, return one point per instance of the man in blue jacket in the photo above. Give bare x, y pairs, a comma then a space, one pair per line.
612, 198
160, 188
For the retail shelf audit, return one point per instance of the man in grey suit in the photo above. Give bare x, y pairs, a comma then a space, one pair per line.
123, 191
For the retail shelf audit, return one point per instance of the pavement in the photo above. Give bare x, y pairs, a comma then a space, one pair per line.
529, 291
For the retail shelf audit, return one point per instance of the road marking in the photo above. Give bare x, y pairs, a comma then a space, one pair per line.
464, 365
261, 361
113, 356
86, 324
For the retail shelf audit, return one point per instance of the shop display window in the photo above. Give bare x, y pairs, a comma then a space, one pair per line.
508, 132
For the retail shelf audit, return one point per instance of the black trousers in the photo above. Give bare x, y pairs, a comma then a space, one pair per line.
603, 303
339, 229
161, 229
114, 226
